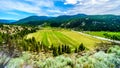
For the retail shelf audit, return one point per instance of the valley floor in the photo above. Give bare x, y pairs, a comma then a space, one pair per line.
101, 38
57, 37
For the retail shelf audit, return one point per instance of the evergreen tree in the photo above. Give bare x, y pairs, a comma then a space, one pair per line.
68, 50
55, 52
37, 48
51, 48
81, 47
76, 50
63, 48
33, 40
41, 45
59, 50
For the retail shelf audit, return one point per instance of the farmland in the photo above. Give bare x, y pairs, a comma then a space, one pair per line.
50, 47
55, 37
60, 34
32, 47
110, 35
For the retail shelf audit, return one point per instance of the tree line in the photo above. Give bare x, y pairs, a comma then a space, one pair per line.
113, 37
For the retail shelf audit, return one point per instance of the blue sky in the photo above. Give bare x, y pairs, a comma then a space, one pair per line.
18, 9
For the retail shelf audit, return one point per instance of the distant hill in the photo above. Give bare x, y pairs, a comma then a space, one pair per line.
77, 22
37, 20
6, 21
95, 23
30, 19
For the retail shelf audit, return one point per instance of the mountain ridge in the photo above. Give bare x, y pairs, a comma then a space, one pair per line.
6, 21
43, 18
78, 22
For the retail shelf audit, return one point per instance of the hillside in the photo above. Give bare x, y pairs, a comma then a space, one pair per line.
77, 22
53, 21
95, 23
33, 19
6, 21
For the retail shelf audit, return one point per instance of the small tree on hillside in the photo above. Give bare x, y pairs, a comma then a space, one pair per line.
55, 52
68, 50
41, 45
51, 47
81, 47
63, 48
59, 50
76, 50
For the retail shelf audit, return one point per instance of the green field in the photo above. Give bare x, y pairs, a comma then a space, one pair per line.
50, 36
101, 33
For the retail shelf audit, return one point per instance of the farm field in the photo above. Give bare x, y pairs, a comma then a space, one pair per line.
101, 33
57, 37
110, 35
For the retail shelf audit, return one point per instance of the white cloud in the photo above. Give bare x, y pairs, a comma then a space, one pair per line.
98, 1
9, 5
42, 3
54, 11
80, 6
96, 7
13, 13
71, 1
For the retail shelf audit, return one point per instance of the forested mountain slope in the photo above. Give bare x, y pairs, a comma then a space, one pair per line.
78, 22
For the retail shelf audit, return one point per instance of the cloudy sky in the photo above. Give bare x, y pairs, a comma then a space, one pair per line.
17, 9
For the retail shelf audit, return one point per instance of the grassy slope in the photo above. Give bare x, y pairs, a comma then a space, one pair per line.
60, 36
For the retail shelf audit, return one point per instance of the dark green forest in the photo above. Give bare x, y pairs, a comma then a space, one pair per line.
77, 22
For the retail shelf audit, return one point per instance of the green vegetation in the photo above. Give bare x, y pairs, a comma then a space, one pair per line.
36, 47
97, 60
110, 35
78, 22
55, 41
11, 39
34, 42
61, 37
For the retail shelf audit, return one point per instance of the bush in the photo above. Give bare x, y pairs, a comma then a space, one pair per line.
98, 60
81, 47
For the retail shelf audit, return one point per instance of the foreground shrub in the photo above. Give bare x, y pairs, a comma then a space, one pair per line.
97, 60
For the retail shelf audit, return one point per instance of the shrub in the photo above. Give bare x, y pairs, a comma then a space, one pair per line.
98, 60
81, 47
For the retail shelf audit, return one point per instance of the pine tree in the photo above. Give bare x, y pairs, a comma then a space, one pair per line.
63, 48
55, 52
37, 48
51, 48
41, 45
33, 40
76, 50
81, 47
68, 50
46, 48
59, 50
